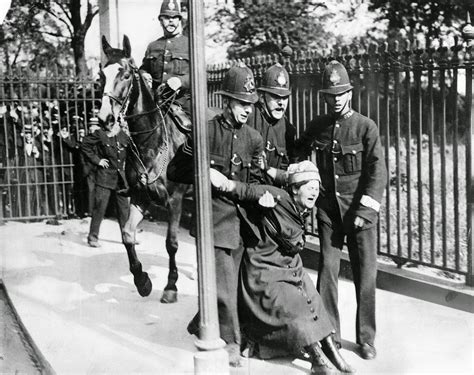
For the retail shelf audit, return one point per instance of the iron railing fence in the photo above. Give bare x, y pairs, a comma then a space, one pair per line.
421, 100
37, 171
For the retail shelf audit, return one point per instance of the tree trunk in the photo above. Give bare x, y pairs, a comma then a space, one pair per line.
80, 57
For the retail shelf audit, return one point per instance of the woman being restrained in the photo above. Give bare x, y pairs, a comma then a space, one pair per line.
280, 309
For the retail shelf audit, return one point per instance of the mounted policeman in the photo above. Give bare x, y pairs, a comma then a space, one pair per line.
166, 66
271, 122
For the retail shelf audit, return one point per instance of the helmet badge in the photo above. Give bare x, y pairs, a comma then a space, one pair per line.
281, 79
249, 84
335, 78
171, 5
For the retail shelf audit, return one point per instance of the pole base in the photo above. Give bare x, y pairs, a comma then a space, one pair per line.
212, 362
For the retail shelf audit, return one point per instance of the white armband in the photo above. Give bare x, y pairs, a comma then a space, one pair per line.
370, 202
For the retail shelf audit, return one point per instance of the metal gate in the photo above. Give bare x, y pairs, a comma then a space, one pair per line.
44, 113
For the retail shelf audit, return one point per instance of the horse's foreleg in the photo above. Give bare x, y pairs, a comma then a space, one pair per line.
175, 203
140, 278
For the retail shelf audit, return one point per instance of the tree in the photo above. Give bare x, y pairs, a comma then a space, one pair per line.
264, 27
248, 28
53, 27
431, 19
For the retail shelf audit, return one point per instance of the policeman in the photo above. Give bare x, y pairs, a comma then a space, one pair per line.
277, 132
166, 62
107, 149
353, 174
235, 149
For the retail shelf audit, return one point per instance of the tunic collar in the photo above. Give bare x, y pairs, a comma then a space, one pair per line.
345, 116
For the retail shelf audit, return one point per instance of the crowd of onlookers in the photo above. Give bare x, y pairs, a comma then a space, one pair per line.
42, 171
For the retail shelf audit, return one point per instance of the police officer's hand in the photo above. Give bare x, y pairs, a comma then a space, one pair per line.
148, 79
218, 180
267, 200
359, 222
174, 83
104, 163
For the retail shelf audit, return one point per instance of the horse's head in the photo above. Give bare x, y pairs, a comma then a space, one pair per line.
117, 76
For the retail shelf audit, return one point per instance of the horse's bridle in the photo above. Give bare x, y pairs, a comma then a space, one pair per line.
135, 150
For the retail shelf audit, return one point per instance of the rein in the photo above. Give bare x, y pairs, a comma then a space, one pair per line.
144, 175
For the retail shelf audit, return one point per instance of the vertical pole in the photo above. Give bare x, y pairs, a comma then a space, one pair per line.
108, 21
468, 34
212, 358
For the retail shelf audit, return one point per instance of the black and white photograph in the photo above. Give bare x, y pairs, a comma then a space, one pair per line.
236, 187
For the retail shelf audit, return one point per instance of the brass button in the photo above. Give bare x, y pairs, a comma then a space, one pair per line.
334, 141
311, 309
235, 136
354, 151
315, 317
336, 176
338, 194
294, 274
212, 162
309, 301
335, 159
337, 125
232, 174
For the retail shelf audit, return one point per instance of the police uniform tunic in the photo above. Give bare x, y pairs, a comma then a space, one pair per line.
97, 146
234, 151
166, 58
350, 159
280, 307
278, 140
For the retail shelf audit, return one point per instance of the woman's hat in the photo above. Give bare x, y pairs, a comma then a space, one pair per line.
302, 171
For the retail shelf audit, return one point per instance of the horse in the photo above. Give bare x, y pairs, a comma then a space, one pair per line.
154, 140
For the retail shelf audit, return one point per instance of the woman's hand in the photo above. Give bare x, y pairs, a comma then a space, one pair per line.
267, 200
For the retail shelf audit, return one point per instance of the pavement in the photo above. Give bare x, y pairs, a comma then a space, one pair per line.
81, 308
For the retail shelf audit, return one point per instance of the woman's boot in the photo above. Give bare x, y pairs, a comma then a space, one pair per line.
320, 364
330, 349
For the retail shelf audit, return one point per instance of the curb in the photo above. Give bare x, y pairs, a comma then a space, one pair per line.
37, 358
428, 288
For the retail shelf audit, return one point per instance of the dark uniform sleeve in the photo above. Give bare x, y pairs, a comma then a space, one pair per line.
374, 175
251, 193
145, 67
302, 147
256, 176
290, 138
89, 147
181, 168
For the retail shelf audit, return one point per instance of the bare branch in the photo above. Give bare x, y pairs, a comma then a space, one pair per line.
59, 19
59, 3
89, 17
55, 34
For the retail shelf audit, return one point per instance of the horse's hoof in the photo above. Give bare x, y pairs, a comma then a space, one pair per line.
143, 284
169, 296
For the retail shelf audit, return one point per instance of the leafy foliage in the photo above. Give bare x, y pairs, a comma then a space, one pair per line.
45, 31
431, 19
264, 27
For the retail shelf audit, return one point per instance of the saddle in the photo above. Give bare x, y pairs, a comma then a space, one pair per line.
166, 99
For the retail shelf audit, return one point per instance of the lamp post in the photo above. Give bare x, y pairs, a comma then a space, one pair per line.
468, 35
211, 358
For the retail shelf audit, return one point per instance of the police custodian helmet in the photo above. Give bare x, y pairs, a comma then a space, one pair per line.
276, 81
170, 8
335, 79
239, 84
